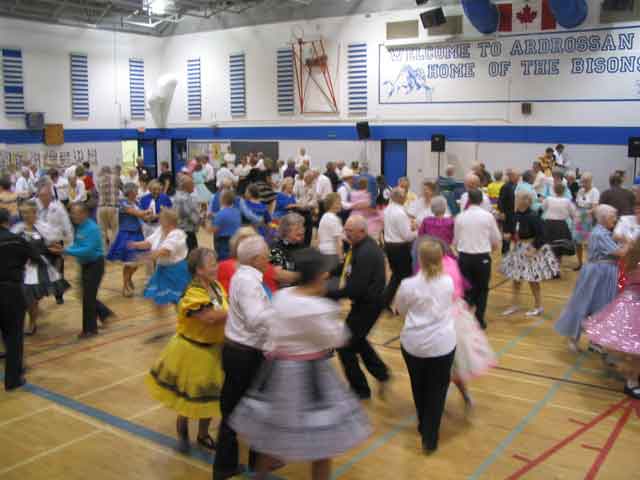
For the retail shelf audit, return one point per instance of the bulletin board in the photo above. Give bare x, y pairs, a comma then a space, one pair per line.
214, 150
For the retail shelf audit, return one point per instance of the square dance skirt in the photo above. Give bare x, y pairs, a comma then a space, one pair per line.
518, 266
300, 411
168, 283
187, 378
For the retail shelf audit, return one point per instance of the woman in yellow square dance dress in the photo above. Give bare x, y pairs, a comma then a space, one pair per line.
188, 375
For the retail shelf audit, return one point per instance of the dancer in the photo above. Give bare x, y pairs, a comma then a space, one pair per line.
330, 230
298, 408
617, 327
225, 224
201, 193
400, 231
428, 339
361, 205
187, 377
559, 212
87, 248
586, 201
168, 246
363, 281
130, 219
245, 336
15, 252
531, 259
40, 279
627, 230
596, 285
476, 234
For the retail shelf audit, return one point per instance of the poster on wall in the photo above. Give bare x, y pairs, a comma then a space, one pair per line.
574, 66
214, 150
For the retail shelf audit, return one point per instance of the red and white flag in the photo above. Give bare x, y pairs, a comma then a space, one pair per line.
526, 16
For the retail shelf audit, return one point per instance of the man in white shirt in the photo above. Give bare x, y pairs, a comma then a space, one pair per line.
70, 171
306, 202
540, 179
23, 186
558, 154
59, 187
224, 174
245, 336
323, 187
472, 182
230, 157
344, 190
399, 233
209, 172
302, 157
55, 216
476, 234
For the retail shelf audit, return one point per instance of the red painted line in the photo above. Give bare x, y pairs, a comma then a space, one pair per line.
636, 405
545, 455
573, 420
591, 447
602, 456
522, 458
102, 344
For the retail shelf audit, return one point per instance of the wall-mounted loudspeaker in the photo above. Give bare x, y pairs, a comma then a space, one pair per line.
363, 130
527, 108
433, 18
634, 147
421, 2
438, 142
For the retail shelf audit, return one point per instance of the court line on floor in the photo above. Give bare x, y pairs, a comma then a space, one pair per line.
519, 428
557, 379
118, 423
407, 421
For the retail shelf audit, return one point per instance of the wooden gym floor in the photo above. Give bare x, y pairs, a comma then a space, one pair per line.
544, 413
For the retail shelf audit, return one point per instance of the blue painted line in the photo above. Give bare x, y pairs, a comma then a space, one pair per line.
525, 333
378, 443
410, 420
533, 413
122, 424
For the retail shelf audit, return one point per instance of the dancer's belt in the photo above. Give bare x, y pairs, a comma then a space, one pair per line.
303, 357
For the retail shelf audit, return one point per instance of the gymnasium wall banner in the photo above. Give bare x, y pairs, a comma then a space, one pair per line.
595, 65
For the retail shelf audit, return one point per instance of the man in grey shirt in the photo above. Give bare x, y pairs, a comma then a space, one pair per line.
188, 212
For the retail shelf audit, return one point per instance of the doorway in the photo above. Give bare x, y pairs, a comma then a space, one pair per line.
394, 160
147, 149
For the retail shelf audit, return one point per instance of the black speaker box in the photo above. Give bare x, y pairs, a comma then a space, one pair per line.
527, 108
363, 130
433, 18
438, 142
634, 147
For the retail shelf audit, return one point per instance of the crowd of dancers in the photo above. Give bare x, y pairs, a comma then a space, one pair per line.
258, 318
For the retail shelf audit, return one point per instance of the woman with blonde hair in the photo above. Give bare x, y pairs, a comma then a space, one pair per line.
428, 338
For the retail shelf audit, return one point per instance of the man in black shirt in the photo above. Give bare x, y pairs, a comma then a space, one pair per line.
14, 253
333, 176
167, 180
364, 282
621, 199
506, 206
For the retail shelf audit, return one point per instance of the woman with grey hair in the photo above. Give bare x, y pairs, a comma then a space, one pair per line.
587, 200
438, 225
130, 218
290, 240
597, 284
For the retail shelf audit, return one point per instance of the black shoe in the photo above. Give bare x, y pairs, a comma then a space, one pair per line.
632, 392
224, 474
15, 386
363, 395
85, 335
60, 301
428, 449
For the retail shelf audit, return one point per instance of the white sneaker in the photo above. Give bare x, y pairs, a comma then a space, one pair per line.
510, 311
536, 312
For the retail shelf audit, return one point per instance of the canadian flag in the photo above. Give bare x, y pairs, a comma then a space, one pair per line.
526, 16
